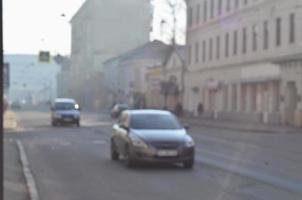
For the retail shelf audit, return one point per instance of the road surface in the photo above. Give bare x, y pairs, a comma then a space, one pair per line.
71, 163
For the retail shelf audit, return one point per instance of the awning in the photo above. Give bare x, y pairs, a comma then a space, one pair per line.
260, 79
260, 72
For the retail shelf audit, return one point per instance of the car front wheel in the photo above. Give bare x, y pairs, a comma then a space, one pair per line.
128, 160
78, 123
53, 123
188, 164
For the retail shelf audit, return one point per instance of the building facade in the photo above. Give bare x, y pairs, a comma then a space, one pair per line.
101, 30
174, 72
31, 80
135, 76
245, 59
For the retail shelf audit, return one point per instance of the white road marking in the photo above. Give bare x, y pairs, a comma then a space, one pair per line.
30, 181
96, 123
99, 142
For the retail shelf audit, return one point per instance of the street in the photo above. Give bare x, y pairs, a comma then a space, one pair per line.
74, 163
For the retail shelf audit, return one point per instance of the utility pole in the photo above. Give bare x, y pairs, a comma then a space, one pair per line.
173, 12
173, 5
174, 25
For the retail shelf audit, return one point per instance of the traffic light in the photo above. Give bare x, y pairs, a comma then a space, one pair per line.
44, 56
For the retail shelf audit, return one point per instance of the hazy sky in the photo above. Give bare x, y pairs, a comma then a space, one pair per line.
33, 25
162, 11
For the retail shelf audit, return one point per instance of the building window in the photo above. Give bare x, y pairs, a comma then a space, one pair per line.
190, 14
228, 6
212, 9
198, 14
278, 31
227, 44
265, 35
189, 54
217, 47
219, 7
205, 14
292, 28
254, 38
235, 43
244, 40
234, 97
225, 97
196, 52
210, 49
204, 47
236, 4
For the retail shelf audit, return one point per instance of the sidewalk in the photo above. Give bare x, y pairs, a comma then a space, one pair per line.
240, 126
271, 158
14, 181
9, 120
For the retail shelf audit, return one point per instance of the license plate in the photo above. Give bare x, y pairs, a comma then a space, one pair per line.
67, 119
166, 153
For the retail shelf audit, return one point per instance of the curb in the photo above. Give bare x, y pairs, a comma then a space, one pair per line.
241, 129
30, 181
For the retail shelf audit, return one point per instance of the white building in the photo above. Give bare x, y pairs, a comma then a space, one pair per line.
103, 29
134, 77
245, 59
30, 79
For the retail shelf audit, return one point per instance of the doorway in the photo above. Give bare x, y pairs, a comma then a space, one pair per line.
291, 96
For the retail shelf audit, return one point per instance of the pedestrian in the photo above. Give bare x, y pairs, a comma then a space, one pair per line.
200, 109
179, 109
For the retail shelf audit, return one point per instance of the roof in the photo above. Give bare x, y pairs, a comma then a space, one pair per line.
32, 59
80, 11
64, 100
155, 50
180, 51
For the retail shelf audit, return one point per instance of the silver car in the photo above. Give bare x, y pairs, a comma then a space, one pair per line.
152, 136
65, 111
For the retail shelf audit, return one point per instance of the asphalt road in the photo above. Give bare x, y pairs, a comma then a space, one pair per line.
70, 163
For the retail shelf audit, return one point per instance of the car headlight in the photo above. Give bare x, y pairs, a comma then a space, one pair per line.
189, 142
137, 142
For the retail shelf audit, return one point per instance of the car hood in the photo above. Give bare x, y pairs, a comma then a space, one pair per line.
67, 112
178, 135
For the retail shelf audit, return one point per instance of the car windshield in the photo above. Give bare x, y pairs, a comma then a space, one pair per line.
154, 121
64, 106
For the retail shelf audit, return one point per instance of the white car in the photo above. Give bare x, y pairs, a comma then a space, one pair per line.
65, 111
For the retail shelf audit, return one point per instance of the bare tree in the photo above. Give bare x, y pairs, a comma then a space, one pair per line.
174, 7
